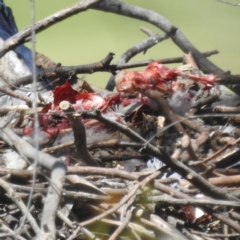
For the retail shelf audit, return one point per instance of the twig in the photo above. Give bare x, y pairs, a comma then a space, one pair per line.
51, 203
101, 66
229, 3
113, 172
65, 72
164, 227
66, 194
221, 150
131, 193
215, 235
162, 60
26, 149
133, 51
15, 198
177, 166
79, 134
9, 232
18, 173
173, 192
184, 202
7, 90
118, 7
226, 181
22, 36
124, 223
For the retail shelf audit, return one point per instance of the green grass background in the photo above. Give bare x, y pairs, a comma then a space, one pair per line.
89, 36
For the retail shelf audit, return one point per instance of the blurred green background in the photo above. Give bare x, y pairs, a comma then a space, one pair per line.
89, 36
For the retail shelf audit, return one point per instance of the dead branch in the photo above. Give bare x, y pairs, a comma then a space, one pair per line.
52, 200
14, 197
133, 51
229, 3
165, 25
177, 166
184, 202
126, 198
26, 149
23, 36
66, 72
114, 172
79, 133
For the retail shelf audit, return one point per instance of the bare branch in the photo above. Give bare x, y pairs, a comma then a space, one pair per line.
15, 198
229, 3
118, 7
133, 51
24, 35
51, 203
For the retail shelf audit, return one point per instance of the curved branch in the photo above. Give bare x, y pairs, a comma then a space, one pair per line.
22, 36
115, 6
133, 51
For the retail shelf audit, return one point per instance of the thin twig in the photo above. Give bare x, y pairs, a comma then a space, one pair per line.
118, 7
15, 198
22, 36
131, 193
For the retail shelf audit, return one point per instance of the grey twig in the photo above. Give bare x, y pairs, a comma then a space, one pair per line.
193, 177
17, 200
51, 202
24, 35
133, 51
118, 7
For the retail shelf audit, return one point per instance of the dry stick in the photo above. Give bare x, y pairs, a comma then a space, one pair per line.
18, 173
167, 111
133, 51
197, 180
167, 231
215, 235
66, 220
191, 124
102, 65
173, 192
52, 201
8, 232
66, 194
163, 200
7, 90
113, 172
58, 172
165, 25
124, 223
104, 144
26, 149
226, 181
22, 36
229, 3
79, 134
162, 60
15, 198
221, 150
226, 109
204, 101
122, 157
60, 146
144, 232
131, 193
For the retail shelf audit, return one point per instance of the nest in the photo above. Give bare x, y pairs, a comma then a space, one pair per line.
158, 160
